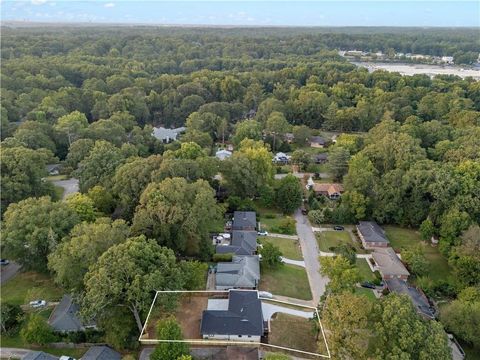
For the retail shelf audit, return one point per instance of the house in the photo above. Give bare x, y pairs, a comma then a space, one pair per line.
241, 243
167, 135
419, 300
223, 154
389, 265
447, 59
281, 158
244, 220
101, 353
53, 169
64, 317
317, 142
289, 137
241, 320
320, 158
332, 191
372, 235
242, 273
39, 355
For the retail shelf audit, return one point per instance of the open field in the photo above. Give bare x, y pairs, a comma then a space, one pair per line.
328, 240
290, 248
30, 284
407, 238
286, 280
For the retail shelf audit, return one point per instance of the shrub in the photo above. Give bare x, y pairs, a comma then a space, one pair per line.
269, 216
37, 331
10, 317
222, 257
287, 226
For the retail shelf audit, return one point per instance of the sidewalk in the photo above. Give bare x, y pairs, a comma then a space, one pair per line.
293, 237
300, 263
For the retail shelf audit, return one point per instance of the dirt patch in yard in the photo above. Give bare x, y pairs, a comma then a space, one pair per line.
189, 315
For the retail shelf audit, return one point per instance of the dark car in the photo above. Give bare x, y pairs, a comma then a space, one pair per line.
338, 228
304, 211
4, 262
367, 285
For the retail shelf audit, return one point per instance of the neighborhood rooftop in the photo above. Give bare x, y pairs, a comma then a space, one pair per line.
244, 220
64, 316
419, 301
39, 355
101, 353
242, 272
243, 317
371, 232
389, 264
242, 243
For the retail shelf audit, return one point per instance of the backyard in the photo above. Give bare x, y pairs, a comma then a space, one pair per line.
286, 280
290, 248
294, 332
329, 240
407, 238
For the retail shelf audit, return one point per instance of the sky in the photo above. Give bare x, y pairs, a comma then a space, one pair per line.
253, 13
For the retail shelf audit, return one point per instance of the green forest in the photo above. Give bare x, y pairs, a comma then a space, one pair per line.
406, 149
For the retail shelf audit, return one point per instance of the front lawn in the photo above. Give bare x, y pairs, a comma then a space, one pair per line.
29, 284
364, 270
407, 238
294, 332
290, 248
367, 292
329, 240
286, 280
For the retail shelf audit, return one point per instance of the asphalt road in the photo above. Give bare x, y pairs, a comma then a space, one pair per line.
8, 271
310, 252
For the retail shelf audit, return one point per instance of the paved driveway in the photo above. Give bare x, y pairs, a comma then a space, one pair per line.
7, 353
310, 252
9, 271
70, 186
270, 309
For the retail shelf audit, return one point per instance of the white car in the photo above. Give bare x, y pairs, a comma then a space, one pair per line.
64, 357
265, 294
38, 303
262, 233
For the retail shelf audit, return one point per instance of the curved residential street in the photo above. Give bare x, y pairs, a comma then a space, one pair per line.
310, 252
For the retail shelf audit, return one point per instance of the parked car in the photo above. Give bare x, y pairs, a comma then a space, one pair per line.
304, 211
367, 285
38, 303
64, 357
262, 233
265, 294
338, 228
4, 262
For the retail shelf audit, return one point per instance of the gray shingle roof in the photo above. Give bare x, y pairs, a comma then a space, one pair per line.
101, 353
39, 355
243, 243
64, 317
244, 220
388, 262
317, 140
418, 299
372, 232
165, 134
243, 317
243, 271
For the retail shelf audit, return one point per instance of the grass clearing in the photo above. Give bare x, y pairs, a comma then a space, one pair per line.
29, 284
293, 332
57, 177
58, 192
367, 292
269, 218
328, 240
407, 238
286, 280
290, 248
364, 270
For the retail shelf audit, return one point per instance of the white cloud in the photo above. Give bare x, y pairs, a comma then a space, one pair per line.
109, 5
38, 2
